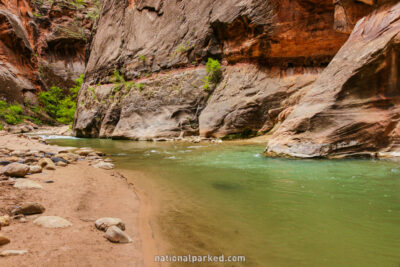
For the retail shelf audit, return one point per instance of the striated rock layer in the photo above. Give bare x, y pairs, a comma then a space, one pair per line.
353, 107
278, 41
146, 70
42, 43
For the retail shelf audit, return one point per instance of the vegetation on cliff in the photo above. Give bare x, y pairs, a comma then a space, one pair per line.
59, 105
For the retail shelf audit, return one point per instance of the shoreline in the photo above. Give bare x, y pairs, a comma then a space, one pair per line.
81, 194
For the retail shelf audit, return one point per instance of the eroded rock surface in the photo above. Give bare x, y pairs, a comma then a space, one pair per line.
276, 39
42, 44
353, 107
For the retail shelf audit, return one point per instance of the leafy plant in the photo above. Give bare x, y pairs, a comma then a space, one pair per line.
214, 74
59, 106
12, 114
140, 86
142, 58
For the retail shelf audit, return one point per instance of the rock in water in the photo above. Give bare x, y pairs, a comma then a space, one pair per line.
104, 223
52, 222
15, 170
104, 165
4, 240
7, 253
29, 208
27, 184
116, 235
47, 164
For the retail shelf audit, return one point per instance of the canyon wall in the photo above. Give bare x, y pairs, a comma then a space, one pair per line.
353, 107
42, 43
146, 70
264, 46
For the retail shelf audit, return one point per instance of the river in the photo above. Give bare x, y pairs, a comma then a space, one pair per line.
229, 199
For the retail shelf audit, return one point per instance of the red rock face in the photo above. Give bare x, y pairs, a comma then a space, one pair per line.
285, 45
41, 45
353, 106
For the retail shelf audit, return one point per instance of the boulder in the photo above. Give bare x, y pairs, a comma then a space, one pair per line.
5, 240
104, 165
26, 184
7, 253
116, 235
104, 223
28, 208
47, 164
15, 170
52, 222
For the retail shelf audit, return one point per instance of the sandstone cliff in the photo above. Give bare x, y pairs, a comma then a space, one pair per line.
145, 74
272, 43
353, 107
42, 44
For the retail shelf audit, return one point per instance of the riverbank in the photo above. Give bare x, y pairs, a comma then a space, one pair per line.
80, 194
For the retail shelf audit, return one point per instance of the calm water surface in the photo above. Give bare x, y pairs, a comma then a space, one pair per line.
228, 198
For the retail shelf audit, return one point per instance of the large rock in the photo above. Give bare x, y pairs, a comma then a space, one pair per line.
116, 235
15, 170
286, 38
353, 107
52, 222
104, 223
249, 101
28, 208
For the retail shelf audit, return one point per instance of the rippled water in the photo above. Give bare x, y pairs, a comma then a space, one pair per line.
228, 198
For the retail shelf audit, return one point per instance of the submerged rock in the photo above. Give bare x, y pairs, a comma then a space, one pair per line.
116, 235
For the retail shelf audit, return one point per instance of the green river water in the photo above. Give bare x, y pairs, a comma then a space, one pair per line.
229, 199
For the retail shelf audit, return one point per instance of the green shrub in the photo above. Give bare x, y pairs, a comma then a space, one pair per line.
12, 114
214, 74
59, 106
140, 86
142, 58
1, 126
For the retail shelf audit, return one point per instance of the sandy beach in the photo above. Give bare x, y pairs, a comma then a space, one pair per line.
80, 194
